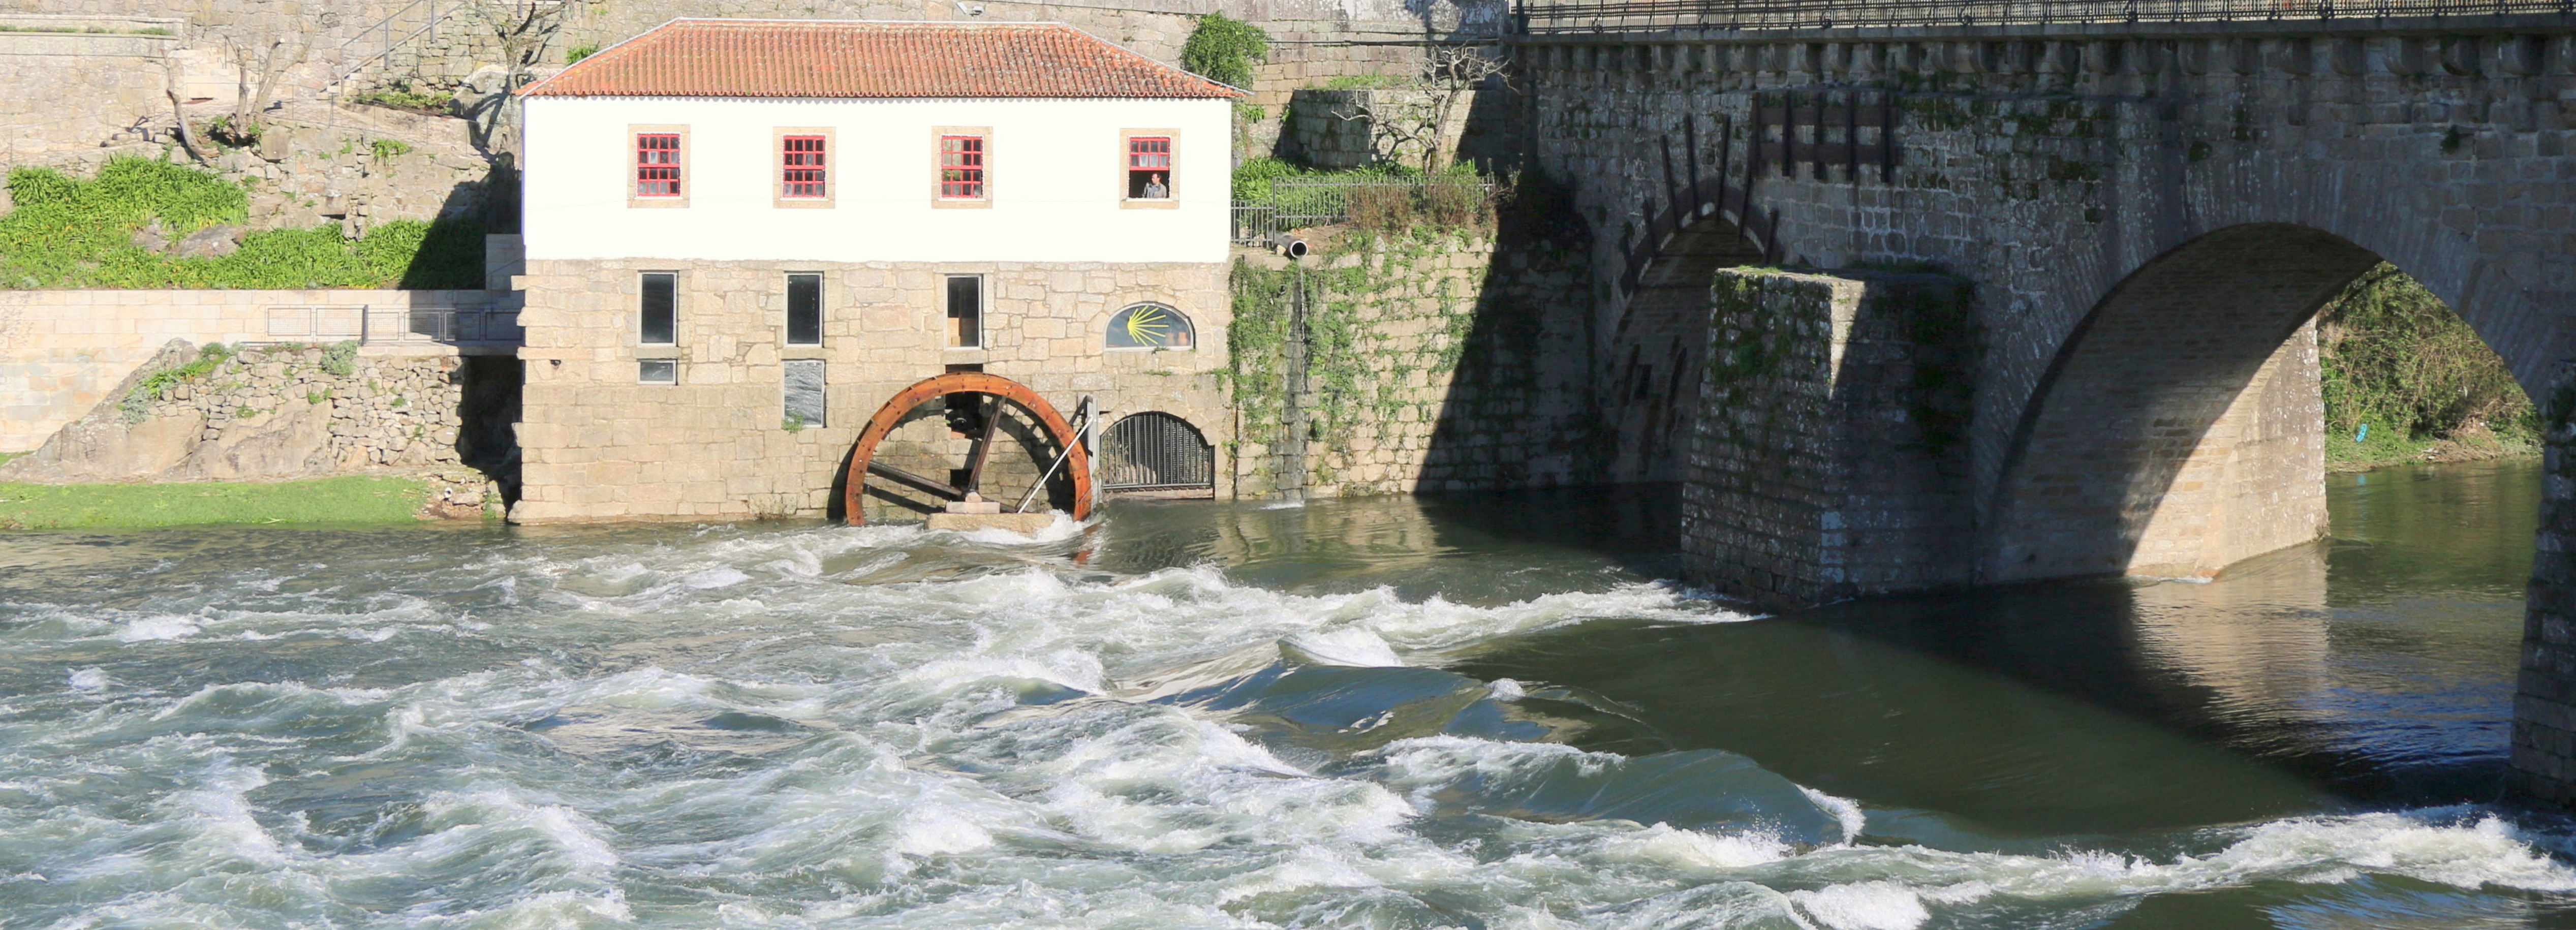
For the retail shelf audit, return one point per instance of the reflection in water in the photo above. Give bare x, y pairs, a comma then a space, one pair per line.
1462, 712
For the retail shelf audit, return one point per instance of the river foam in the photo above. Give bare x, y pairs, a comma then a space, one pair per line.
889, 727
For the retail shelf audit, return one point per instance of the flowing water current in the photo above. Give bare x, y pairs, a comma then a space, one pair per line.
1471, 712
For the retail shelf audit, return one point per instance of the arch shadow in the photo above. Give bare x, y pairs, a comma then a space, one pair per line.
2178, 428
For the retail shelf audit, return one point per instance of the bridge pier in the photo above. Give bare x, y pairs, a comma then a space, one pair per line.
2544, 705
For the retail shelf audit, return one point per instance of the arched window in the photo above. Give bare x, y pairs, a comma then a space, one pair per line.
1150, 326
1156, 451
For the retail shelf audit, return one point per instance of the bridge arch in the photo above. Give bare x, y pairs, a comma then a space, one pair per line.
2178, 430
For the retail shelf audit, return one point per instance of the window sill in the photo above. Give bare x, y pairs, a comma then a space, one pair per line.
680, 202
801, 203
801, 353
1140, 203
943, 203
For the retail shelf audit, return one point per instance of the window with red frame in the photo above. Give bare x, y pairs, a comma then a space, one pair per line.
961, 168
657, 164
1149, 167
801, 167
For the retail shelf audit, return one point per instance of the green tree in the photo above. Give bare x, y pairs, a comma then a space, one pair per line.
1225, 50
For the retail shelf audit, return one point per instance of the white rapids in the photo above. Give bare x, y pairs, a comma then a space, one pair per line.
882, 727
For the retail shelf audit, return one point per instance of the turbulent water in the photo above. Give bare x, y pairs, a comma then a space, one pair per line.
1478, 713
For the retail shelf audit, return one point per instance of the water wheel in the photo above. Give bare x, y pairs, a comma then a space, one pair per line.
1037, 448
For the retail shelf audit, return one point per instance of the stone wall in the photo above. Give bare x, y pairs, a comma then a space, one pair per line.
74, 90
1829, 457
1328, 128
601, 446
1421, 362
2544, 705
61, 352
268, 413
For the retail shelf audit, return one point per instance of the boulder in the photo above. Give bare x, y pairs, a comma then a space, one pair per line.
292, 441
210, 242
102, 446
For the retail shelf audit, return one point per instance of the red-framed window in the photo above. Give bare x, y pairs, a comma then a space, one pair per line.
800, 163
1149, 167
657, 164
961, 168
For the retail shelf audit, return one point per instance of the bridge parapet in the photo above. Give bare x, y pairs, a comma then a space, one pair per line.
1957, 17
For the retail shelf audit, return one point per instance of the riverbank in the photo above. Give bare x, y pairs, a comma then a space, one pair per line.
2345, 455
345, 499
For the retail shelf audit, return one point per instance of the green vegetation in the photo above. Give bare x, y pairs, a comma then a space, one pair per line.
351, 499
389, 149
1225, 50
74, 233
2397, 359
402, 97
579, 52
138, 402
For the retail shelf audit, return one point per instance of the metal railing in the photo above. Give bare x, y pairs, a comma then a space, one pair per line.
1660, 15
370, 325
1298, 204
445, 326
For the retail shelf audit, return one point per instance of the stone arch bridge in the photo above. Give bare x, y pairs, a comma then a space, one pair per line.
2134, 210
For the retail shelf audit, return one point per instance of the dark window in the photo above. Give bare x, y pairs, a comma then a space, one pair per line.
657, 164
804, 309
1149, 326
965, 312
1149, 168
961, 167
660, 306
804, 393
801, 167
657, 371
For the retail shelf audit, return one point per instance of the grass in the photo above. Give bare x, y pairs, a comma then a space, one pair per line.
77, 233
349, 499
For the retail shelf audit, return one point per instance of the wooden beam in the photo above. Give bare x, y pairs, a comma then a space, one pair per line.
934, 487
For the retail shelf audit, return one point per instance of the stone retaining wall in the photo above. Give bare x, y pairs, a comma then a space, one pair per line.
62, 351
270, 413
1424, 362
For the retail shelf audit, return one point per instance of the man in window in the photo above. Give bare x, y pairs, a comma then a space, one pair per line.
1155, 189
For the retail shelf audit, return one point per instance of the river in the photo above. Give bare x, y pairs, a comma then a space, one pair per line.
1488, 712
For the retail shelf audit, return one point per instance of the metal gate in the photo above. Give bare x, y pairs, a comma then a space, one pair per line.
1156, 451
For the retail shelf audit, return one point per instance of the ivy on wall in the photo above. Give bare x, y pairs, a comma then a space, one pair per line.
81, 233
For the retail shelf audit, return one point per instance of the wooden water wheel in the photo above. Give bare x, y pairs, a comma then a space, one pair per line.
985, 399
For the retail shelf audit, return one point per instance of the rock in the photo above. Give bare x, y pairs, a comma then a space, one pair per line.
210, 242
152, 237
276, 144
290, 442
102, 446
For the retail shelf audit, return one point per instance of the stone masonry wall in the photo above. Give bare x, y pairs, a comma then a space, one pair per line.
1432, 362
601, 446
266, 413
62, 352
1829, 456
74, 90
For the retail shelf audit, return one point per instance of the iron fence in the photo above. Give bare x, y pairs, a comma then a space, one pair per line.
1659, 15
1298, 204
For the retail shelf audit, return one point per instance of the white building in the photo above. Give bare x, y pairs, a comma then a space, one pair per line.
742, 236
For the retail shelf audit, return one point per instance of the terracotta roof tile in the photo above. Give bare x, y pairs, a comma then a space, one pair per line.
807, 58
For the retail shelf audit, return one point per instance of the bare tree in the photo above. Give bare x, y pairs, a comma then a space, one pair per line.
524, 30
171, 79
1420, 120
262, 48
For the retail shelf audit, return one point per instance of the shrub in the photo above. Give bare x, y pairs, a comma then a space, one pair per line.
579, 52
1385, 209
387, 149
1225, 50
2395, 357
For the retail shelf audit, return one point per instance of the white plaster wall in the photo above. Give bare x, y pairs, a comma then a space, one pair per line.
1054, 172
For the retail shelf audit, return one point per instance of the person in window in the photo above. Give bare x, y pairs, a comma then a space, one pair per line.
1155, 189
